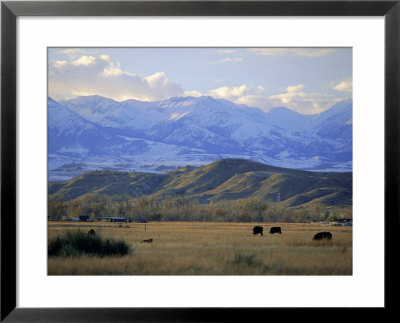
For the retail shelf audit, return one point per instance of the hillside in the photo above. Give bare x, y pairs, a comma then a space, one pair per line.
223, 180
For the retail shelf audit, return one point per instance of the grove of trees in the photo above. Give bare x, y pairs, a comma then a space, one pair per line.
184, 209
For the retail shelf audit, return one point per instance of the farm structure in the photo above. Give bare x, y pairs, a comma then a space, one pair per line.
342, 222
115, 219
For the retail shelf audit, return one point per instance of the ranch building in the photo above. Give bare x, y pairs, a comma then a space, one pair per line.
115, 219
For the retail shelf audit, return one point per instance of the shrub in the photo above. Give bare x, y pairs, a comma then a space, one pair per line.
77, 243
244, 259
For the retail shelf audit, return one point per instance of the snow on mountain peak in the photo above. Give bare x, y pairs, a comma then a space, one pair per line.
178, 102
349, 122
200, 129
177, 116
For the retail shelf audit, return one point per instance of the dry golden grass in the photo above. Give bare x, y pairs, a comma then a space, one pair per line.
193, 248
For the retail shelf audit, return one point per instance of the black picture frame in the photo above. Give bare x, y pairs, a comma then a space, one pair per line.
11, 10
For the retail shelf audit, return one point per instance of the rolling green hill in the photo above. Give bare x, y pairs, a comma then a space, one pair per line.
223, 180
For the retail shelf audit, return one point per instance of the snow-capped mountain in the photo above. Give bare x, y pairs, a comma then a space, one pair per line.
336, 123
109, 113
285, 118
71, 135
103, 133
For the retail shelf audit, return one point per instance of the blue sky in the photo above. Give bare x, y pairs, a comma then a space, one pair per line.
307, 80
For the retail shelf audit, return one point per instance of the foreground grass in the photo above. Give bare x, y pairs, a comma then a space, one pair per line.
187, 248
78, 243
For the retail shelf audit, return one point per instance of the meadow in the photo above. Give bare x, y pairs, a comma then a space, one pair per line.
210, 248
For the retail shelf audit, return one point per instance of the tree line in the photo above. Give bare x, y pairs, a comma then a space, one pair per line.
184, 209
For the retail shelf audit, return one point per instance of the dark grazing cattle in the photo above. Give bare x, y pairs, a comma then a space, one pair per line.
147, 240
91, 233
323, 235
275, 230
257, 230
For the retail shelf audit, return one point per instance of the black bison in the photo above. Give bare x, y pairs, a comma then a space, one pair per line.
275, 230
147, 240
257, 230
323, 235
91, 233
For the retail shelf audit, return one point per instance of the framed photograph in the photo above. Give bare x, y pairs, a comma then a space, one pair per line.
190, 160
195, 170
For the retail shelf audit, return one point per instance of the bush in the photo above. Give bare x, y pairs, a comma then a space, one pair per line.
240, 258
77, 243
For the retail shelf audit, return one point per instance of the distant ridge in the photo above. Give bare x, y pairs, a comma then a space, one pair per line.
223, 180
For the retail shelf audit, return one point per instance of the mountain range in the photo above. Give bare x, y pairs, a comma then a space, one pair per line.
97, 133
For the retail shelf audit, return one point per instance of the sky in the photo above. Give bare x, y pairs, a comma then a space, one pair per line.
306, 80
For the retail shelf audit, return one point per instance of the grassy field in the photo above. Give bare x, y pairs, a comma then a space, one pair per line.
199, 248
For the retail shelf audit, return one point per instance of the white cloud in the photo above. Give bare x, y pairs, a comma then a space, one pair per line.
229, 93
105, 57
100, 75
89, 75
295, 88
157, 79
226, 60
244, 95
256, 100
84, 60
296, 98
292, 93
110, 70
309, 52
225, 51
194, 93
59, 64
345, 85
71, 52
